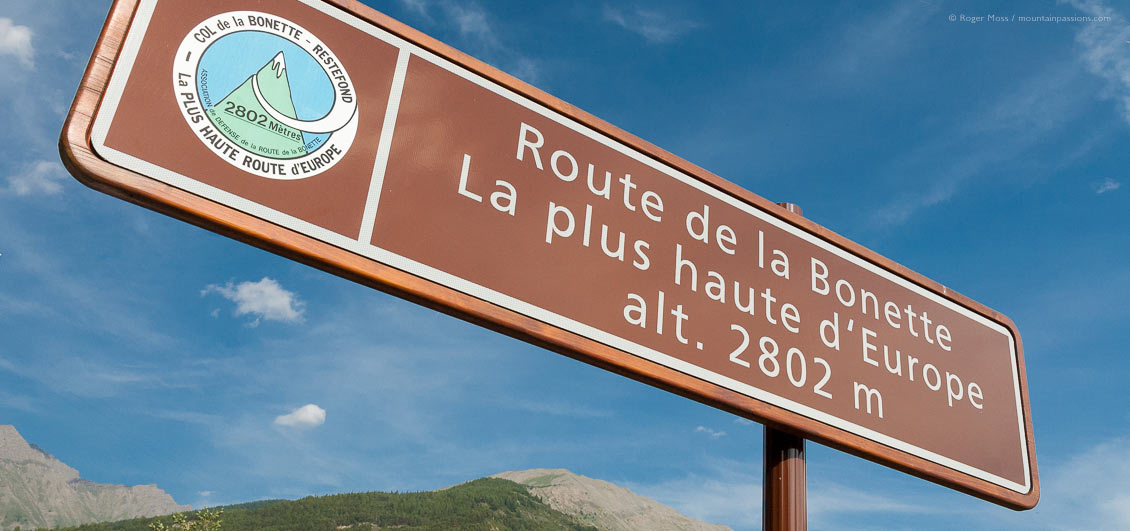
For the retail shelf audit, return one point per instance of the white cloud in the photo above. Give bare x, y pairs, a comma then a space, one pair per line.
303, 418
16, 41
1108, 185
713, 434
264, 299
654, 26
206, 493
40, 177
1104, 50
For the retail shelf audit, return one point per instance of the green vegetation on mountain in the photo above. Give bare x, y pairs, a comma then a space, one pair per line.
486, 504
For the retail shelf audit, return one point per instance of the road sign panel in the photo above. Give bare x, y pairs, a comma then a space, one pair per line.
332, 134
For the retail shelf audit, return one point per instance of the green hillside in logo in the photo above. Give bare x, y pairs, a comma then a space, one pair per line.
240, 117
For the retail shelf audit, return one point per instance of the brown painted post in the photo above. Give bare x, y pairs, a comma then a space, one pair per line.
784, 503
784, 490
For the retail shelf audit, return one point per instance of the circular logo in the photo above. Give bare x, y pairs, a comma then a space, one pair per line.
265, 95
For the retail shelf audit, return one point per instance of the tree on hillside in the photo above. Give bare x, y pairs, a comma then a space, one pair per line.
204, 520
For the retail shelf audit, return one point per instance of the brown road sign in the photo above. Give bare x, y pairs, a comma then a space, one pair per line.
331, 134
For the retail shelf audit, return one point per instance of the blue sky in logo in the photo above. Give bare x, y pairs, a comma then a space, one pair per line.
990, 157
235, 57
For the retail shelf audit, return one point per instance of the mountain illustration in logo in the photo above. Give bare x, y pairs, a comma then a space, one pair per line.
241, 118
269, 105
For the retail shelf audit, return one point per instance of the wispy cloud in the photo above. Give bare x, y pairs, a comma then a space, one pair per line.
15, 40
874, 43
1108, 185
420, 7
1084, 491
713, 434
49, 286
188, 417
39, 177
729, 492
18, 402
726, 497
832, 498
563, 409
91, 375
654, 26
994, 137
1105, 50
477, 29
1088, 307
472, 22
999, 136
303, 418
265, 299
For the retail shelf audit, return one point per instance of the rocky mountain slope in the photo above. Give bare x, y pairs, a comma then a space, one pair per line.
37, 490
602, 504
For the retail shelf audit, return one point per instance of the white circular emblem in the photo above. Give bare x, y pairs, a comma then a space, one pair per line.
265, 95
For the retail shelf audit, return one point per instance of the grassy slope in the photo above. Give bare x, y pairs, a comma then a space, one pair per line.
486, 504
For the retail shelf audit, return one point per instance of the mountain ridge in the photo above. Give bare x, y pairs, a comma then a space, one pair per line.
39, 490
490, 503
602, 504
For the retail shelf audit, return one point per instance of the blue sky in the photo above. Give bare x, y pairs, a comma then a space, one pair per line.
990, 157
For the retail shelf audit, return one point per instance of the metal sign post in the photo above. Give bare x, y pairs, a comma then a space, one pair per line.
784, 485
784, 503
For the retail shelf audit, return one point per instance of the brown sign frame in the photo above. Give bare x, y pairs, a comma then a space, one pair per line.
96, 172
